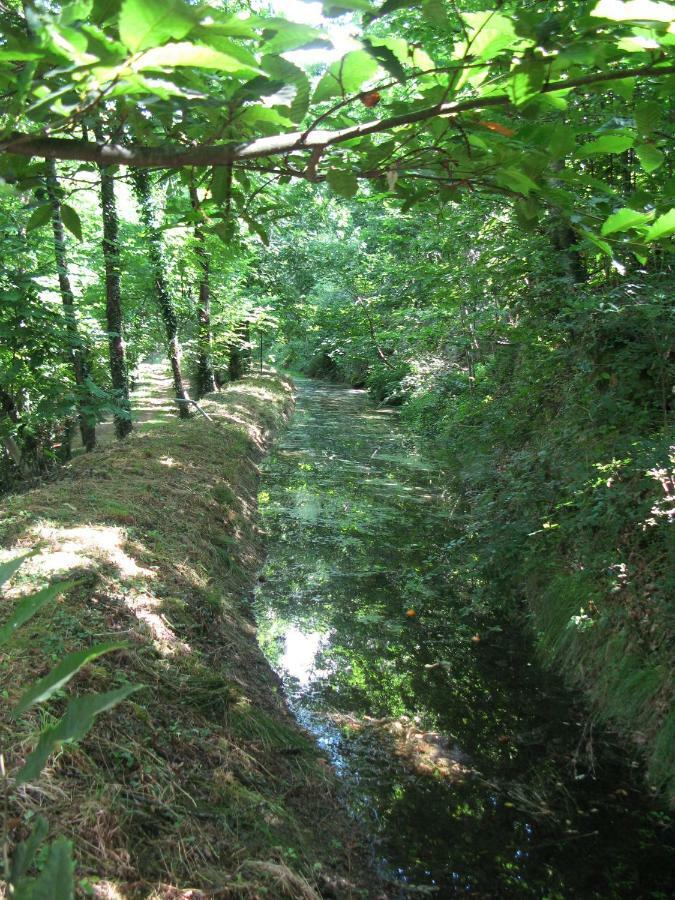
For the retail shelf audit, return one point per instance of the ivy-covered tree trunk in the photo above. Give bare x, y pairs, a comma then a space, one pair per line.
206, 379
164, 301
77, 350
113, 306
240, 354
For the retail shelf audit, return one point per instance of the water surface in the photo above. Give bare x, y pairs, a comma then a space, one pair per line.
473, 771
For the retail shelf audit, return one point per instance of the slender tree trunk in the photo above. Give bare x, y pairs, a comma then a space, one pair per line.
77, 350
239, 354
206, 379
116, 345
164, 301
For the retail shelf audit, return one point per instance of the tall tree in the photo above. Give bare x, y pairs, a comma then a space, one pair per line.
113, 306
77, 350
163, 297
206, 379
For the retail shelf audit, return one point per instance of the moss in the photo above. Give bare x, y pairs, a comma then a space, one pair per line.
203, 780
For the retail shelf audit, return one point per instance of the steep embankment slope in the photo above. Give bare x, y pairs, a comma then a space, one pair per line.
201, 780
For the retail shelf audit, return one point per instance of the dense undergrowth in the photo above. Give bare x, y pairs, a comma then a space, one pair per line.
550, 400
202, 780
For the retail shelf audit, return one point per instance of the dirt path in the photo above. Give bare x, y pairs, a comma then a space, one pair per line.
152, 402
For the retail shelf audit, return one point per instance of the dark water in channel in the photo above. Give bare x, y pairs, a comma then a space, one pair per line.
472, 770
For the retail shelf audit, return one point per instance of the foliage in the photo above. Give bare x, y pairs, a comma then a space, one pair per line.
56, 876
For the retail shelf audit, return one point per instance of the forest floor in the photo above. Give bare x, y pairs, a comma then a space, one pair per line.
202, 784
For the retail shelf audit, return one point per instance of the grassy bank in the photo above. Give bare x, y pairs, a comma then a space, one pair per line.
201, 780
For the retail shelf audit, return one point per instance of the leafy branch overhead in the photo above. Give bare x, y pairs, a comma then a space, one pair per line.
201, 87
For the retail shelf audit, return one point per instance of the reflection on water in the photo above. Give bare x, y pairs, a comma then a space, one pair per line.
470, 768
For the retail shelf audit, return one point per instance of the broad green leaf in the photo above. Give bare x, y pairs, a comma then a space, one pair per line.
60, 675
291, 36
346, 76
150, 23
608, 143
39, 217
7, 569
197, 55
333, 8
650, 157
514, 180
647, 116
27, 607
623, 219
634, 10
526, 81
398, 48
343, 183
435, 12
77, 721
597, 242
56, 880
663, 227
284, 70
257, 228
489, 33
71, 220
24, 852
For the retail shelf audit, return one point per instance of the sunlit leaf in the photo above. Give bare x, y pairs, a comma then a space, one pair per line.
650, 157
197, 55
663, 227
150, 23
608, 143
346, 76
634, 10
7, 569
623, 219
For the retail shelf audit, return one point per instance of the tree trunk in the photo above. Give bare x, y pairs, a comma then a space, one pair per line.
164, 301
239, 354
206, 380
116, 346
76, 349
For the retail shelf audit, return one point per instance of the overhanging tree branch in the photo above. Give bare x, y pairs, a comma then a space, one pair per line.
22, 144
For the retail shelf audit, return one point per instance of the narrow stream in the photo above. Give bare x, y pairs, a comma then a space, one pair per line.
473, 771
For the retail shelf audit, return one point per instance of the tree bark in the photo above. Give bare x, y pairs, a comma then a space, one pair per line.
240, 356
176, 157
79, 358
113, 295
162, 294
206, 379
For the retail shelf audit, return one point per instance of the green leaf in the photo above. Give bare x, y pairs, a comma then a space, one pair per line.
56, 880
24, 852
28, 606
291, 36
386, 58
150, 23
608, 143
634, 11
333, 8
663, 227
623, 219
77, 721
39, 217
60, 675
7, 569
346, 76
71, 220
650, 157
286, 71
514, 180
342, 182
647, 116
526, 82
197, 55
489, 33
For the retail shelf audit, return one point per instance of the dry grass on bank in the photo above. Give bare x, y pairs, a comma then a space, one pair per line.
200, 782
